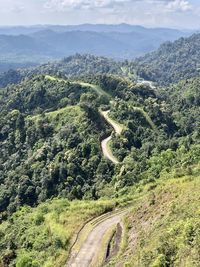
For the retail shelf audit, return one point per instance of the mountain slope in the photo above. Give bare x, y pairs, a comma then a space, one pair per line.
51, 129
172, 61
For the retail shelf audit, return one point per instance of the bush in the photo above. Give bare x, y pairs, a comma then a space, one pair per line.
26, 261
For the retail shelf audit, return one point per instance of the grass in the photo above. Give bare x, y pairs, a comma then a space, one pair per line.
60, 117
161, 227
52, 78
94, 87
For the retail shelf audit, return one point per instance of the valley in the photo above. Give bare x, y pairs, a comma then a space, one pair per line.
99, 167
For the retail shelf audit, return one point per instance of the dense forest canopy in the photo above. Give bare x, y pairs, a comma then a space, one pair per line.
72, 66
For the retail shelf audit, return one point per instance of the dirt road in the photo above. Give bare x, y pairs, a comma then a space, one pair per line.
116, 126
107, 151
105, 143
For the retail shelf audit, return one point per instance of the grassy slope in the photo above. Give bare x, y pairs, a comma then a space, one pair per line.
94, 87
69, 114
163, 227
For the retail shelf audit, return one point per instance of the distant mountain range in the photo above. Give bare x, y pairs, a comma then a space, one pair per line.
43, 43
123, 28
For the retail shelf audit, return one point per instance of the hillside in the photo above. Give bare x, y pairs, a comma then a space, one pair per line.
42, 236
45, 132
52, 126
172, 62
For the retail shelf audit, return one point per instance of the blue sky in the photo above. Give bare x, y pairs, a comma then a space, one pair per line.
151, 13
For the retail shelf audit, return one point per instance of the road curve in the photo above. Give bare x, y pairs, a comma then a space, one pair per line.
116, 126
89, 249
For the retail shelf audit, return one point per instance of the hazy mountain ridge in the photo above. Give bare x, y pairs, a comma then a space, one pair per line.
123, 27
43, 43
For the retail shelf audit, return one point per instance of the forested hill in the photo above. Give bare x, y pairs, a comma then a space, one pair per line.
51, 131
172, 62
79, 65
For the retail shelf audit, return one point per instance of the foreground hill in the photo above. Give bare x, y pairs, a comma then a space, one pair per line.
161, 227
172, 61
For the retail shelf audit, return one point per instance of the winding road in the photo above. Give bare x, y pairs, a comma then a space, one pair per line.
86, 252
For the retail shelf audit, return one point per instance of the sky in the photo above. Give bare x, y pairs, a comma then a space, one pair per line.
181, 14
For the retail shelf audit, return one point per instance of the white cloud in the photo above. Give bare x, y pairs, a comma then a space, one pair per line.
179, 5
62, 5
83, 4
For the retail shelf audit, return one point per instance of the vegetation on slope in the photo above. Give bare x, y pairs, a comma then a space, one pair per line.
73, 66
163, 227
51, 131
